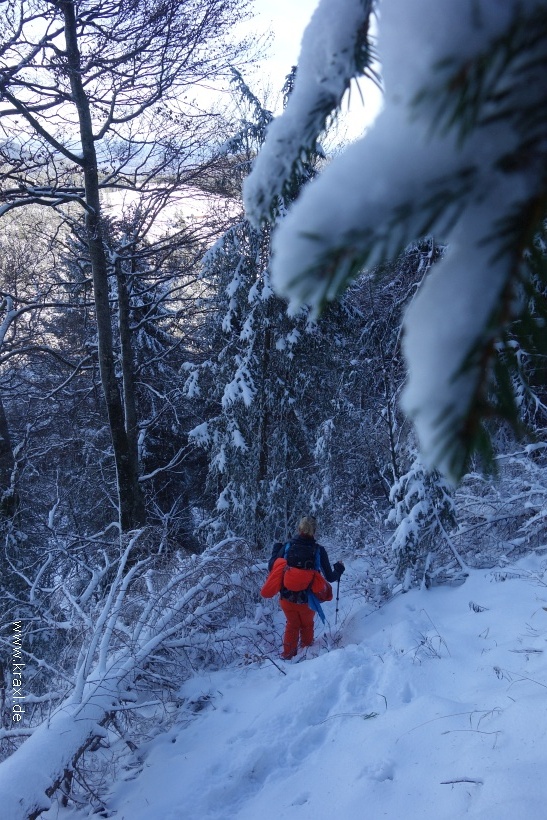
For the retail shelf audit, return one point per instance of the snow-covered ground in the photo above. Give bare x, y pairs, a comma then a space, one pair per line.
433, 706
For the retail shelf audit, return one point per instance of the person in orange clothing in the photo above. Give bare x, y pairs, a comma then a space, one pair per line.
300, 624
298, 568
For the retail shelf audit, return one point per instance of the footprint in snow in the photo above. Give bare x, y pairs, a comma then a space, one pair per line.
380, 771
301, 800
407, 694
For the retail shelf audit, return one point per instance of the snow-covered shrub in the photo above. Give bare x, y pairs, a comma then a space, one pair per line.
505, 518
424, 513
132, 641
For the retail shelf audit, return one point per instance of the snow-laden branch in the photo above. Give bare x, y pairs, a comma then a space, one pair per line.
334, 51
175, 608
107, 621
457, 151
177, 458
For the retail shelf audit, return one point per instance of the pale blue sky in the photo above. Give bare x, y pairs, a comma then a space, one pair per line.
287, 19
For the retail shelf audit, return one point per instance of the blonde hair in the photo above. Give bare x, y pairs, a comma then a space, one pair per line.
307, 525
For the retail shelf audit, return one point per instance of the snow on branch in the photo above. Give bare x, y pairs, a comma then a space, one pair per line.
457, 152
335, 49
148, 611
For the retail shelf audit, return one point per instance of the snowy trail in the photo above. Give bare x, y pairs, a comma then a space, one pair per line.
459, 696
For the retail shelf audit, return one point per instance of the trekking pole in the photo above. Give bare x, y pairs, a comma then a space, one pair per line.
337, 602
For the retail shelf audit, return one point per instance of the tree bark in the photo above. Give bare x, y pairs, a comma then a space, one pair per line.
128, 369
7, 464
131, 500
263, 445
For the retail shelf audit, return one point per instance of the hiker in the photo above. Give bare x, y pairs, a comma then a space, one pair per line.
301, 573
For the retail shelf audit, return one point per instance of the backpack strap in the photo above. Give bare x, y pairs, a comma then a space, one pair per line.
318, 560
313, 601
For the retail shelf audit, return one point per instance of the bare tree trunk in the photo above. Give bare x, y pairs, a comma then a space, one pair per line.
131, 501
128, 369
7, 464
263, 444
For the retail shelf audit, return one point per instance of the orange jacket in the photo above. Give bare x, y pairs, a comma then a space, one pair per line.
274, 581
295, 579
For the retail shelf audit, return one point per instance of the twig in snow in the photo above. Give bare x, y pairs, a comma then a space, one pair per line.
275, 664
364, 716
477, 607
506, 673
444, 717
477, 731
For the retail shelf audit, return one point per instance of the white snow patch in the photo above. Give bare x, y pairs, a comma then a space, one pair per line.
431, 708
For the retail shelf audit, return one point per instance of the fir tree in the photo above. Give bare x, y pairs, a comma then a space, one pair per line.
458, 152
260, 382
424, 512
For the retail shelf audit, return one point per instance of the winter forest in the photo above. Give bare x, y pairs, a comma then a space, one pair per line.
215, 319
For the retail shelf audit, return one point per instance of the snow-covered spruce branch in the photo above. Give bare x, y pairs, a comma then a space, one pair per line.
335, 50
166, 604
449, 156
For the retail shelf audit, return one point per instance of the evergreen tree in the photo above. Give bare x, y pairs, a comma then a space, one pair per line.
261, 381
155, 293
458, 152
424, 512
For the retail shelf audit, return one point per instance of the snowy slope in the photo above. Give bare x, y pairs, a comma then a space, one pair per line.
433, 706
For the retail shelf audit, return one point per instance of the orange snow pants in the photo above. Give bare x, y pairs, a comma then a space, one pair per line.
299, 625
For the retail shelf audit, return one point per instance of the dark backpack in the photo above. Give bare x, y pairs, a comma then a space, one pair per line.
302, 556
